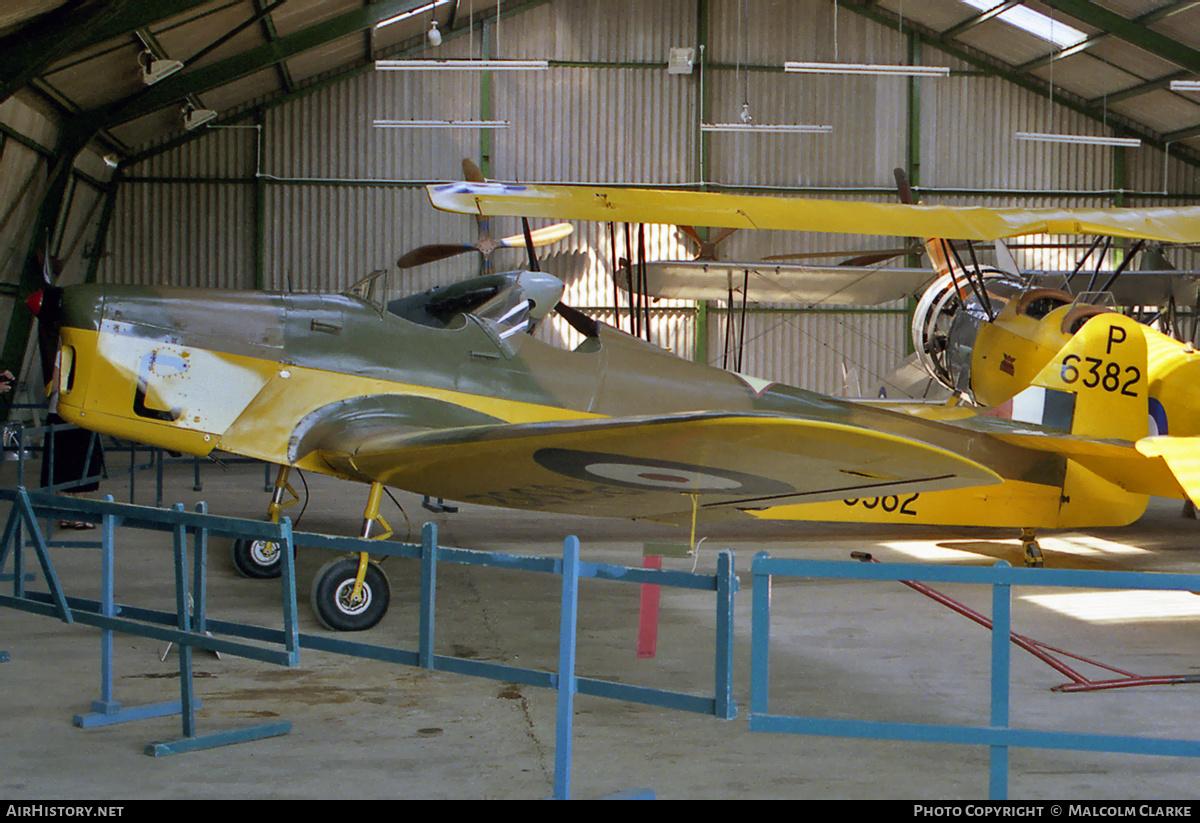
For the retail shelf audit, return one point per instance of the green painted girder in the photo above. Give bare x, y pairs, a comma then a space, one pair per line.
978, 19
1161, 13
994, 67
1130, 31
72, 28
197, 80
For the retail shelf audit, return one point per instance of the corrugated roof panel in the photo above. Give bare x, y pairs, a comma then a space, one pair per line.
293, 17
181, 40
1085, 76
342, 52
1132, 59
1162, 110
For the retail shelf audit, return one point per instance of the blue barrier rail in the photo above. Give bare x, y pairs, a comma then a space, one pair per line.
997, 734
191, 627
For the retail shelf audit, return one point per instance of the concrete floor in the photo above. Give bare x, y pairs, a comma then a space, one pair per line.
362, 729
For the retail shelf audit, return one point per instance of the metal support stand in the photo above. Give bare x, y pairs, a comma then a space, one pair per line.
107, 710
195, 622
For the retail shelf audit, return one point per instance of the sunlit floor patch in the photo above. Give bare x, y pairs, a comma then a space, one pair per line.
929, 550
1083, 544
1121, 606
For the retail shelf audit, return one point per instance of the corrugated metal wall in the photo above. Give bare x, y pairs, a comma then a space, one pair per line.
336, 198
27, 151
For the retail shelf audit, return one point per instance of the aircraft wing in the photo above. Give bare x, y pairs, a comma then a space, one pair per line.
771, 283
650, 466
744, 211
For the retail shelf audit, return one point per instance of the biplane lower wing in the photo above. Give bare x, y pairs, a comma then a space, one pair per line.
745, 211
767, 283
658, 466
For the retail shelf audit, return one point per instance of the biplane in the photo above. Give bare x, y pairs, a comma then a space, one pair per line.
447, 393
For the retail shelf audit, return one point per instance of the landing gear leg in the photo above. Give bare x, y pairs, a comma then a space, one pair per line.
259, 559
352, 593
1033, 552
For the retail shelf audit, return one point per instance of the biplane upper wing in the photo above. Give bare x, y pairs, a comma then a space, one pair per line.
718, 209
650, 466
772, 283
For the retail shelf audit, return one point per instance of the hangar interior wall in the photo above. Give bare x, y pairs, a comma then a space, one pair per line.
308, 195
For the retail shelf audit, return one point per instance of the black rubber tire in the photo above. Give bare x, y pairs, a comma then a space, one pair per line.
252, 559
331, 590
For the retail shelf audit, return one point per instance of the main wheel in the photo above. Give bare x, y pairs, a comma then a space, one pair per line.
332, 596
256, 559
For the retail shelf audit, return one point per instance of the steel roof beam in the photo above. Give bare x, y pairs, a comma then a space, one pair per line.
995, 67
74, 27
1162, 13
977, 19
1130, 31
196, 80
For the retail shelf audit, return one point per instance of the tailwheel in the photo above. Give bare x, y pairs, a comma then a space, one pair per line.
343, 606
256, 559
1033, 552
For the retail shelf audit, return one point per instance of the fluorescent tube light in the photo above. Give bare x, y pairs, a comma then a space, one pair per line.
1086, 139
462, 65
866, 68
765, 128
441, 124
1185, 85
411, 13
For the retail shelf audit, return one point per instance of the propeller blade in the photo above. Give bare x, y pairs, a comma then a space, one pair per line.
540, 237
432, 253
533, 263
471, 172
871, 258
902, 187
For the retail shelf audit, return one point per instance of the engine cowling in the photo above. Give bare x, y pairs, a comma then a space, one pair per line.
947, 320
987, 357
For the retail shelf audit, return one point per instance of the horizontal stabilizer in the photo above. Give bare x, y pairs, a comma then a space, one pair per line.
1182, 456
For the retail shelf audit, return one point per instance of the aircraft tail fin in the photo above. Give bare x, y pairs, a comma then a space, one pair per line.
1103, 369
1098, 383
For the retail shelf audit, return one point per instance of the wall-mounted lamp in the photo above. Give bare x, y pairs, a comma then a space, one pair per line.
155, 69
194, 118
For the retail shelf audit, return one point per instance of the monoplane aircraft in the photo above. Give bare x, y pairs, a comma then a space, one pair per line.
446, 393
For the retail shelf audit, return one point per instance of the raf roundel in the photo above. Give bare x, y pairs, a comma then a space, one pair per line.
638, 473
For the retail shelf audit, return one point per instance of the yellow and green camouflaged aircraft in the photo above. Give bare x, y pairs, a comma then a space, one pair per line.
447, 393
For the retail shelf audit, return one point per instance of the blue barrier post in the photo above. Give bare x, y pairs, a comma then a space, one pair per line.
723, 686
568, 620
429, 550
1001, 628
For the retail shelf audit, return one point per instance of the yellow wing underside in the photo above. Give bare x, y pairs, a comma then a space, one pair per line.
652, 467
638, 205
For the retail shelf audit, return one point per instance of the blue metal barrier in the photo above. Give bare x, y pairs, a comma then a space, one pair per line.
997, 735
192, 628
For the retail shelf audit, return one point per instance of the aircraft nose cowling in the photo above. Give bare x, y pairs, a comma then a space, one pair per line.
82, 307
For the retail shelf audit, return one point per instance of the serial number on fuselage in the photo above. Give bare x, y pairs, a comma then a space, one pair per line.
891, 503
